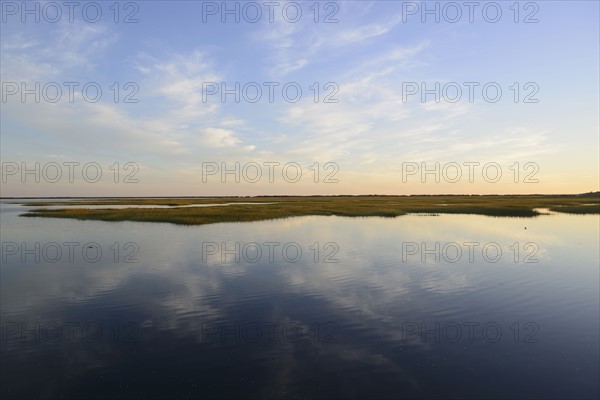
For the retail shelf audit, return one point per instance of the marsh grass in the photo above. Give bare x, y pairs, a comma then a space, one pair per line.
287, 207
577, 209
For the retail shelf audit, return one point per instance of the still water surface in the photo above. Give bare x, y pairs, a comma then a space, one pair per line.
314, 307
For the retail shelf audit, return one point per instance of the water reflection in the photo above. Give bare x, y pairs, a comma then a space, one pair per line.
444, 306
123, 206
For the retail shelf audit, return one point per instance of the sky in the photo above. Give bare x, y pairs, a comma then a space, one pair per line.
192, 98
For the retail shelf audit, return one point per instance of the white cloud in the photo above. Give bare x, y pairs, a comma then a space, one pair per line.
217, 137
364, 32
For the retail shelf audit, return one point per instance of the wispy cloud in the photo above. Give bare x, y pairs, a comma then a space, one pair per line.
296, 46
65, 50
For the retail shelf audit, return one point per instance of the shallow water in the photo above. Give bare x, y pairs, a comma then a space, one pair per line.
416, 306
122, 206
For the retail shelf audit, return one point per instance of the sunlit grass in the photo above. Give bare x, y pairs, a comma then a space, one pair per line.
286, 207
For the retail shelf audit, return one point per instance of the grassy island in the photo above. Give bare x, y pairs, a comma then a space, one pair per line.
242, 209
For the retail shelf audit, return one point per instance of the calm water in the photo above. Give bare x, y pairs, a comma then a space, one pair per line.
315, 307
121, 206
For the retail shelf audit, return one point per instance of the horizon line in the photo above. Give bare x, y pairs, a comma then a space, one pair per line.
296, 195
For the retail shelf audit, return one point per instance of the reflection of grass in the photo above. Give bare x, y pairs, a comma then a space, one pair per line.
284, 207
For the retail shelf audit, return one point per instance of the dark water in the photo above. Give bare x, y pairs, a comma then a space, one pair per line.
417, 306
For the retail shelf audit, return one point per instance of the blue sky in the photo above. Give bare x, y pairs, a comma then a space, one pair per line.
369, 55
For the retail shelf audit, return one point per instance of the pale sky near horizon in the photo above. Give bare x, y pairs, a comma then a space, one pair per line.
368, 56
